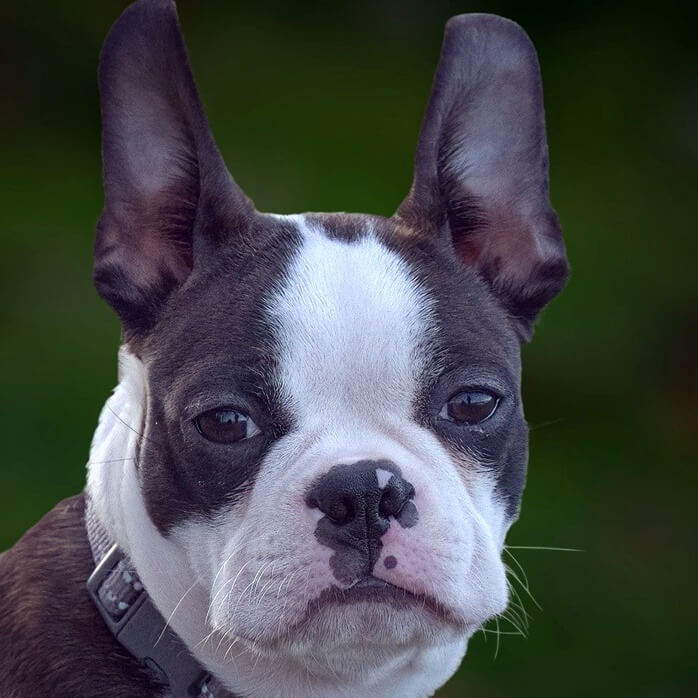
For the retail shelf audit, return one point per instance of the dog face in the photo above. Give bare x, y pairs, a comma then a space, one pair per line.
331, 431
329, 379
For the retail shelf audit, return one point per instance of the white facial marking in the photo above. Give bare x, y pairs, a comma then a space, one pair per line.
354, 329
383, 477
315, 513
351, 319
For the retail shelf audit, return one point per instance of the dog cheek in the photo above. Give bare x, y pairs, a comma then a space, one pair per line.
269, 579
489, 504
453, 552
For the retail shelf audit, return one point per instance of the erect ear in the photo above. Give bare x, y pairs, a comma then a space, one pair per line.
167, 192
481, 171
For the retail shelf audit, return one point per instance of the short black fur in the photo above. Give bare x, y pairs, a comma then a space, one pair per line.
55, 643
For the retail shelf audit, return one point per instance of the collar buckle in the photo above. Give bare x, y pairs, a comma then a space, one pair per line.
115, 590
134, 621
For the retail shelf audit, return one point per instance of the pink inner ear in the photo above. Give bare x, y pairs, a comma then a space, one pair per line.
155, 229
469, 248
504, 246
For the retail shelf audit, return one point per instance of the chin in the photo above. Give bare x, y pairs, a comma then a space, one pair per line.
356, 632
358, 643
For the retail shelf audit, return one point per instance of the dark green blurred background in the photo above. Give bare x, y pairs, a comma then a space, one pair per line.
317, 107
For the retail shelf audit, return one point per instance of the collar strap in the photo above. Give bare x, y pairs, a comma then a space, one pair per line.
132, 618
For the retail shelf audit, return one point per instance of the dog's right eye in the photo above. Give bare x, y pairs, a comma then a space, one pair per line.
225, 425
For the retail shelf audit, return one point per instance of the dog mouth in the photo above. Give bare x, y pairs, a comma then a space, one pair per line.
374, 590
416, 615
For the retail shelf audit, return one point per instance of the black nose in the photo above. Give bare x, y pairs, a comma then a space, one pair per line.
358, 501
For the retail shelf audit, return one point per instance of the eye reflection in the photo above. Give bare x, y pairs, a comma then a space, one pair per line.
470, 407
225, 425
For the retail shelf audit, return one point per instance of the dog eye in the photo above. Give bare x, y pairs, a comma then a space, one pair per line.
470, 407
225, 425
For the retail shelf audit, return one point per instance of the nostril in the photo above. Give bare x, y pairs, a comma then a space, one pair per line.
393, 500
341, 511
386, 506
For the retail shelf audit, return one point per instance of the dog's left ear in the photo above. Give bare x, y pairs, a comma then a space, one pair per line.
481, 172
167, 193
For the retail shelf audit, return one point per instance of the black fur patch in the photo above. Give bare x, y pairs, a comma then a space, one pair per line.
55, 643
212, 347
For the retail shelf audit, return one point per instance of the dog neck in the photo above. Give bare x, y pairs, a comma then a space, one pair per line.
169, 577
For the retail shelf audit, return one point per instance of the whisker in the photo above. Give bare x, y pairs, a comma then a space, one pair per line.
524, 585
517, 609
541, 425
110, 460
499, 634
237, 549
232, 583
544, 547
516, 614
167, 622
128, 426
513, 619
267, 585
518, 565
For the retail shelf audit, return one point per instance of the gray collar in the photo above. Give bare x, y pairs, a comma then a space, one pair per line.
134, 621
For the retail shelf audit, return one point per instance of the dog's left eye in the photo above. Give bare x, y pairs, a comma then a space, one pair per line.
225, 425
470, 407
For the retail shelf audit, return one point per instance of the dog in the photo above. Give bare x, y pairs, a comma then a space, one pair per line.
302, 482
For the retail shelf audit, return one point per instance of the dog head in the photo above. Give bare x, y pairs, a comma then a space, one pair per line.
322, 416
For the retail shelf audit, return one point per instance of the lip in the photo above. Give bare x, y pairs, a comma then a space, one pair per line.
368, 589
376, 590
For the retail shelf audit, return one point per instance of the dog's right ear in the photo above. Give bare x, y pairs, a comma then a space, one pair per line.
167, 192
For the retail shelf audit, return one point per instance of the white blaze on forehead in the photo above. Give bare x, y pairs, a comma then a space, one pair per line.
352, 323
